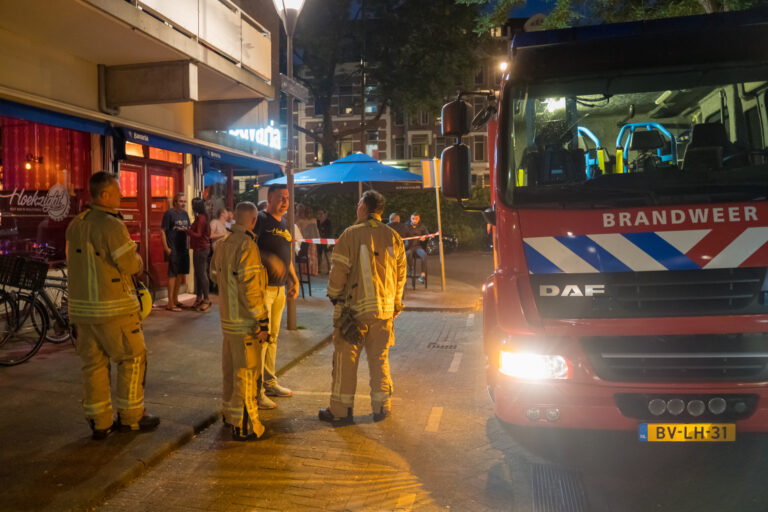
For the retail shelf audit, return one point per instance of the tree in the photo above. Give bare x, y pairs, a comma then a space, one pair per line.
418, 52
568, 13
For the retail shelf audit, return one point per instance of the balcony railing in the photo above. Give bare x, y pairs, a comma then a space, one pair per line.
220, 25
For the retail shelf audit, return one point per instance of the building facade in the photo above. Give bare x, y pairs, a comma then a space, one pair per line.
396, 139
170, 100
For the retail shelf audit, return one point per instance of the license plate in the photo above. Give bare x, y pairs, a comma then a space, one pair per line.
687, 432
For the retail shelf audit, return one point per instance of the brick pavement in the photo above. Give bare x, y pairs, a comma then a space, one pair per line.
392, 465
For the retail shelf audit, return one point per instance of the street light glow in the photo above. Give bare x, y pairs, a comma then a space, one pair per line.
503, 65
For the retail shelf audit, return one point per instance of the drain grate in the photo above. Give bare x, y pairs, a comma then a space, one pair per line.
433, 344
557, 489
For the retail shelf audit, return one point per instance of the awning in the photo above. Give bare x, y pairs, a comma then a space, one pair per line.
39, 115
158, 142
242, 164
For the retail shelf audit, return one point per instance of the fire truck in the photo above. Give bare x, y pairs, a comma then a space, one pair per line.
630, 288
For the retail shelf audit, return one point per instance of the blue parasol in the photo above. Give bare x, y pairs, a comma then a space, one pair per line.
353, 168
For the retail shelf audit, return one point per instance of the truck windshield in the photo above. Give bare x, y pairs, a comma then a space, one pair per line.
656, 141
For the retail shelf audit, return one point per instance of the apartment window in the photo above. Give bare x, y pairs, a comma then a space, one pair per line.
424, 118
348, 100
479, 149
399, 118
371, 105
420, 146
440, 144
399, 149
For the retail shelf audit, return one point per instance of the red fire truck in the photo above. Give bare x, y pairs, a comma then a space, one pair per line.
630, 290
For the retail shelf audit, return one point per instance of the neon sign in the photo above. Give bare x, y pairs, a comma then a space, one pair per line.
268, 136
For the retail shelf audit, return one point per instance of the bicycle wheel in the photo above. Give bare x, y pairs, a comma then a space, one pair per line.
8, 311
58, 328
28, 335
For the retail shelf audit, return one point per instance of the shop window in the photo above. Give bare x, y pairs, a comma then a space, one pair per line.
163, 186
129, 184
45, 172
133, 149
38, 156
165, 155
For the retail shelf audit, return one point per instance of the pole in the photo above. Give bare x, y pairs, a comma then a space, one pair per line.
436, 170
362, 86
289, 154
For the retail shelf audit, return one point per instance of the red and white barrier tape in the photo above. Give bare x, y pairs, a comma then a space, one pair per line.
332, 241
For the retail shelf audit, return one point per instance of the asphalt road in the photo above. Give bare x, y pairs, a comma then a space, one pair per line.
441, 450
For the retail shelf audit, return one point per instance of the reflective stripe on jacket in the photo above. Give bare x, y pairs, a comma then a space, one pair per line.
370, 258
101, 258
242, 279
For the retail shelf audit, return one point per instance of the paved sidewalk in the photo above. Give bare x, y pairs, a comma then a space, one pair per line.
47, 459
49, 462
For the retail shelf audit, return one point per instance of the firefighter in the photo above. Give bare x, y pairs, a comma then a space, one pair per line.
242, 280
102, 259
365, 285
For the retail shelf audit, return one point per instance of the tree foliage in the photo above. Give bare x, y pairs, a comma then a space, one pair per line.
569, 13
417, 52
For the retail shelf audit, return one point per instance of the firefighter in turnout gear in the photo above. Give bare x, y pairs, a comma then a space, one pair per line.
242, 279
102, 260
366, 282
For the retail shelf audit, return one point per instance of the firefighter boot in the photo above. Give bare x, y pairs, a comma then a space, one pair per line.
99, 434
147, 423
327, 415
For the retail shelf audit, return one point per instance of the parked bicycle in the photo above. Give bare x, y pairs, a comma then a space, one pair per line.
24, 317
55, 296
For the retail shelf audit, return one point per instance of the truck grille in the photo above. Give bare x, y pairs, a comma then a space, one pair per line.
727, 357
681, 293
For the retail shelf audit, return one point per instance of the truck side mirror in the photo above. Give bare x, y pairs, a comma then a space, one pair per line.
455, 118
455, 168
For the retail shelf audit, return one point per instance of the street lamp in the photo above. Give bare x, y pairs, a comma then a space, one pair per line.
289, 11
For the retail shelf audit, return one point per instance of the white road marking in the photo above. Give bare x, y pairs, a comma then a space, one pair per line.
456, 362
470, 320
405, 502
433, 422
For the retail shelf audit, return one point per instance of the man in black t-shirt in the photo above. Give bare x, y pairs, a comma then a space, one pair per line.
274, 239
176, 246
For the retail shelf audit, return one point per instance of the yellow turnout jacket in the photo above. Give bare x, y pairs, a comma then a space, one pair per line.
101, 258
368, 263
236, 267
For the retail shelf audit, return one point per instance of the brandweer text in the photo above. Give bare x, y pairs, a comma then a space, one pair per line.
692, 215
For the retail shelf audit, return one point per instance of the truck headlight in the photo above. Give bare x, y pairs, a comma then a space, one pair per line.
529, 366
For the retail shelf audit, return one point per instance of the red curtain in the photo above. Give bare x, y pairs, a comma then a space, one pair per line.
56, 156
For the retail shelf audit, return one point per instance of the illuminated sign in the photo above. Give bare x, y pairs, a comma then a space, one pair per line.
268, 136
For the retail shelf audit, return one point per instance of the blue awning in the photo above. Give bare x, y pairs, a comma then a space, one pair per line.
159, 142
39, 115
241, 163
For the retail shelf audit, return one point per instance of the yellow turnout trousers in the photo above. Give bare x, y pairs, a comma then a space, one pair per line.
377, 340
241, 365
120, 340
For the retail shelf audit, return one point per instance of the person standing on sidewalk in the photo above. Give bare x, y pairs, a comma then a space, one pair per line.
200, 242
275, 246
366, 287
173, 234
242, 279
102, 260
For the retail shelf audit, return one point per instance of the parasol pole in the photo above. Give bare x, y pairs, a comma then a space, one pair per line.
435, 167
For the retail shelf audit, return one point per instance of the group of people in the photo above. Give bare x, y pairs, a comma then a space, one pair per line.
251, 265
416, 243
202, 235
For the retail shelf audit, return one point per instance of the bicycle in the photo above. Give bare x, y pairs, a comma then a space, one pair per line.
55, 297
23, 314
